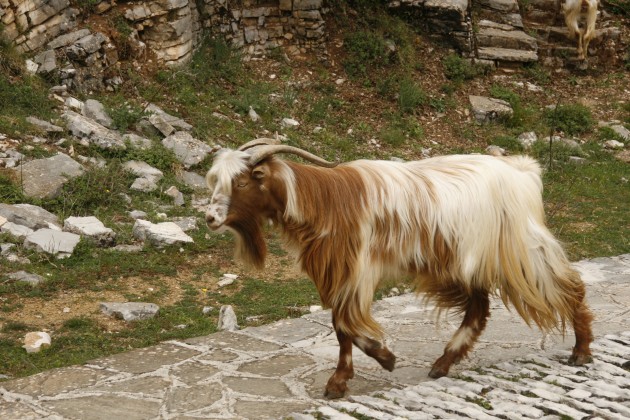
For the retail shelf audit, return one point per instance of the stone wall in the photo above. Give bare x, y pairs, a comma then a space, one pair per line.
449, 20
32, 23
258, 26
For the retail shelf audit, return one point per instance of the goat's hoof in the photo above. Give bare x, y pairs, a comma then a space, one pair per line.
335, 390
388, 362
580, 359
437, 372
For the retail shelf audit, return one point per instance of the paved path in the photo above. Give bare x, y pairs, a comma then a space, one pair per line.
279, 370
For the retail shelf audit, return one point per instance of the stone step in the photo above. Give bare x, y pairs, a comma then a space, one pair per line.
507, 55
502, 38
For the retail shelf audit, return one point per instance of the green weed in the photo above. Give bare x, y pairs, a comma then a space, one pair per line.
411, 96
459, 69
366, 50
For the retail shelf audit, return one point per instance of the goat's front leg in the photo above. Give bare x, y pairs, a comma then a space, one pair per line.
377, 351
336, 386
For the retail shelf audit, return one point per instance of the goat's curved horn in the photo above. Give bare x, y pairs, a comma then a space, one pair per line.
265, 151
258, 142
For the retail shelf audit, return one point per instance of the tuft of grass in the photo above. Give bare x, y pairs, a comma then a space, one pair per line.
411, 96
10, 191
572, 119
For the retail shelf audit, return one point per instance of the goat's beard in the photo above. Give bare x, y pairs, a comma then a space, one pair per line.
251, 248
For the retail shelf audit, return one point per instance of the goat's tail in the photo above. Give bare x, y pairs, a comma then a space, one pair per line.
537, 279
539, 282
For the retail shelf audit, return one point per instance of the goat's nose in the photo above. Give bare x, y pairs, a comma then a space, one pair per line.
209, 219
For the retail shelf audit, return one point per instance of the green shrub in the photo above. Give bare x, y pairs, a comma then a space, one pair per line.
459, 70
410, 96
366, 50
97, 189
573, 119
619, 7
509, 143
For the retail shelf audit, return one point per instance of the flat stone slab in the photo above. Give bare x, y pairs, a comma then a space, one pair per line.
273, 371
93, 132
487, 109
130, 311
188, 150
91, 227
33, 217
60, 244
506, 54
44, 178
30, 278
160, 234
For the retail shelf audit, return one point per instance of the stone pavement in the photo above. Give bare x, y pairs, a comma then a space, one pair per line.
279, 370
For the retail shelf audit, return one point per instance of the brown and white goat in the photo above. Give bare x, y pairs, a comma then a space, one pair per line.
573, 10
466, 227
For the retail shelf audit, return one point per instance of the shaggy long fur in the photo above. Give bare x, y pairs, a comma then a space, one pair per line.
573, 11
465, 227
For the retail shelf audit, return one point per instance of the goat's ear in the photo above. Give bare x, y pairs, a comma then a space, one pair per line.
260, 171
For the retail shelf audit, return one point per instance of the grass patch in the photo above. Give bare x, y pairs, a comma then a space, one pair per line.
458, 69
366, 51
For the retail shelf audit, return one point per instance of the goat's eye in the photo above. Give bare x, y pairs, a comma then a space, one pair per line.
241, 184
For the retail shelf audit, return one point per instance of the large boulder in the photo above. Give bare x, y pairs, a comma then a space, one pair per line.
44, 178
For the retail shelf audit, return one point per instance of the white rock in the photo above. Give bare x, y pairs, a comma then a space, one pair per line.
34, 341
60, 244
289, 123
74, 103
18, 231
315, 308
227, 319
527, 139
206, 310
253, 115
613, 144
130, 311
178, 197
31, 66
160, 234
91, 227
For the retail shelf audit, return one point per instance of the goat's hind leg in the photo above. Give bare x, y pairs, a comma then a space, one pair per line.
582, 318
475, 318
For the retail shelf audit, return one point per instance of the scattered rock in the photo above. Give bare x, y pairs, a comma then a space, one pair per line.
494, 150
576, 160
33, 217
32, 279
44, 178
44, 125
621, 131
130, 311
527, 139
92, 132
35, 341
487, 109
17, 231
160, 234
192, 179
95, 110
253, 115
207, 309
92, 228
178, 197
289, 123
188, 150
60, 244
614, 145
227, 319
186, 223
138, 214
227, 279
169, 119
162, 125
